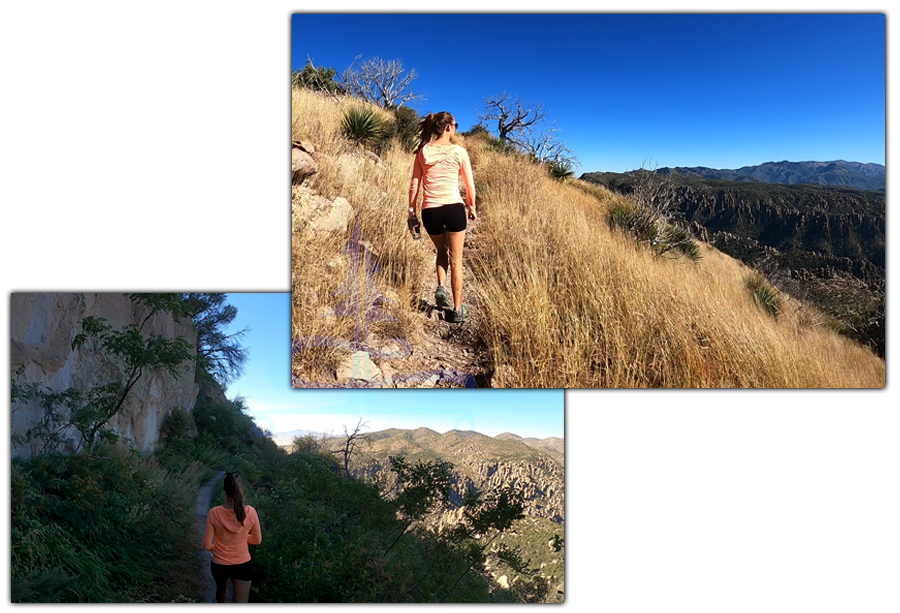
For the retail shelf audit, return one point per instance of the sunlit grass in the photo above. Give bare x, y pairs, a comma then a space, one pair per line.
565, 300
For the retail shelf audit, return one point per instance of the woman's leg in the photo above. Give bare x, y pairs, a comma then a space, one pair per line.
455, 241
220, 575
241, 590
442, 261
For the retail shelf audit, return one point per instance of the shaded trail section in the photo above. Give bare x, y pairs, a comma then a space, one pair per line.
201, 508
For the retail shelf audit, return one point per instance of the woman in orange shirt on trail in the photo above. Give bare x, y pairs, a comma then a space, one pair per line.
439, 165
229, 528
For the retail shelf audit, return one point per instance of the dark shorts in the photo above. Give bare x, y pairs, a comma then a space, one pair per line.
447, 218
221, 572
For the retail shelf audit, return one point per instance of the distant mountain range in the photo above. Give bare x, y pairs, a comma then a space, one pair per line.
837, 173
534, 465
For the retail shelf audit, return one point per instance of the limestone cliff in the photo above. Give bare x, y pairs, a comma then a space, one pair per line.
43, 326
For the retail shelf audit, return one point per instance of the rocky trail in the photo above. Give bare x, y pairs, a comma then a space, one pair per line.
441, 354
444, 354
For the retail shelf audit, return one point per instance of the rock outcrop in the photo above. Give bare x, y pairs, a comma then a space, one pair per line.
43, 326
303, 162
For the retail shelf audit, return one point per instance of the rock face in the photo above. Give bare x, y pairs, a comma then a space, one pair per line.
314, 215
302, 166
42, 329
480, 462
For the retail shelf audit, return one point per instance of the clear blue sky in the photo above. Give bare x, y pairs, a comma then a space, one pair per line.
274, 405
722, 91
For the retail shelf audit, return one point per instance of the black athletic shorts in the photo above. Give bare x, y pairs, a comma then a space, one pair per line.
447, 218
221, 572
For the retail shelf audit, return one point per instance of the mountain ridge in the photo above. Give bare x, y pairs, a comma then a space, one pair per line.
838, 173
481, 461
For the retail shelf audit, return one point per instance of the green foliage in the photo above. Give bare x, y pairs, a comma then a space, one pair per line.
536, 542
329, 541
91, 409
404, 129
422, 486
362, 125
103, 527
763, 293
317, 79
218, 353
177, 427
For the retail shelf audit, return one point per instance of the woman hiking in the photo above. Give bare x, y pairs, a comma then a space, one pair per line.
229, 529
439, 165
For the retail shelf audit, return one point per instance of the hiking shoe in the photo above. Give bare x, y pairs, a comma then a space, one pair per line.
442, 298
457, 317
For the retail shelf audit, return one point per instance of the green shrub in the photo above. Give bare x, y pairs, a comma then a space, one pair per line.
109, 526
404, 129
764, 294
316, 79
362, 125
177, 427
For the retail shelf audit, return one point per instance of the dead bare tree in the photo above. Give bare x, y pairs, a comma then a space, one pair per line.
351, 444
382, 82
541, 142
513, 116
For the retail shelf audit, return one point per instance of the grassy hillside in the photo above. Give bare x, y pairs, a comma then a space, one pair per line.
112, 525
565, 300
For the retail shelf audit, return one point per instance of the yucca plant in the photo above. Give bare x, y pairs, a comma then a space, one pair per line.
561, 170
763, 293
638, 221
680, 239
362, 125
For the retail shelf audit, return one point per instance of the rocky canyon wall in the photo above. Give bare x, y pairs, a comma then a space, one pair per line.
43, 326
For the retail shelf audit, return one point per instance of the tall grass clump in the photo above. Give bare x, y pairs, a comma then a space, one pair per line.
648, 227
763, 293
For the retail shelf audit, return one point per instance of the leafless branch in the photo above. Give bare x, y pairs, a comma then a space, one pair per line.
382, 82
513, 116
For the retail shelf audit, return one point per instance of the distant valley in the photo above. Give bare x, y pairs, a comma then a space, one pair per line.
531, 465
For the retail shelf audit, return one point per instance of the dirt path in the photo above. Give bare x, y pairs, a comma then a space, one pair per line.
444, 346
204, 500
443, 354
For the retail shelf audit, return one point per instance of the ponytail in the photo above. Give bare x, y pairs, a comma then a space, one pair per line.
432, 126
235, 489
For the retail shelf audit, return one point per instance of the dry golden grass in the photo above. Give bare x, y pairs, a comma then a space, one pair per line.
565, 301
378, 195
570, 303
